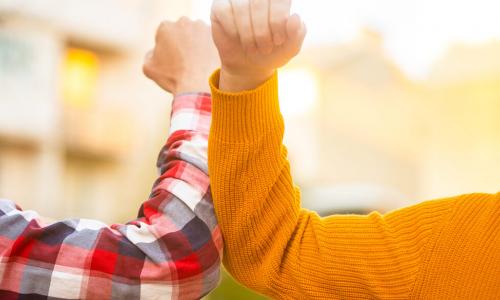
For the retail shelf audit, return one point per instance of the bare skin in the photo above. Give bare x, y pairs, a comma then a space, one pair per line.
254, 38
183, 58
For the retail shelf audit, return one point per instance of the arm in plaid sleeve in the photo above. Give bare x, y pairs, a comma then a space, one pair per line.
172, 251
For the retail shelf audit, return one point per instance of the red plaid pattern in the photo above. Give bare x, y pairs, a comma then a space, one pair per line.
172, 250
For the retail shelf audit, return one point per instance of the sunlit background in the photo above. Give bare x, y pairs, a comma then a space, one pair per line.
391, 102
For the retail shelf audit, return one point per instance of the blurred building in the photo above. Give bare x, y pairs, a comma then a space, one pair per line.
463, 101
366, 129
80, 126
373, 139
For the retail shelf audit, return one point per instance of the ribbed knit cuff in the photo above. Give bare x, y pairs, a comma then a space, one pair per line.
246, 116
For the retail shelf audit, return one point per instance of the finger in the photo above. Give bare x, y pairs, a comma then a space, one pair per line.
279, 12
222, 13
224, 40
260, 23
296, 33
242, 18
163, 27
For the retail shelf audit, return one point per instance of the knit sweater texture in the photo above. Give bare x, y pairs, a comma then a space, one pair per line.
441, 249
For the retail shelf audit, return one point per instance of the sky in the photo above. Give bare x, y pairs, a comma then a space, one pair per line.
416, 32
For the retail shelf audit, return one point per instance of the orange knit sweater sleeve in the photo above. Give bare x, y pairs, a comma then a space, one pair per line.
285, 252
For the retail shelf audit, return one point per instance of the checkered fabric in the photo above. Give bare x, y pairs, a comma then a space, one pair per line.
171, 251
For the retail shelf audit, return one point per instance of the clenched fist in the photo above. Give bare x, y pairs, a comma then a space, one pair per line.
183, 58
254, 38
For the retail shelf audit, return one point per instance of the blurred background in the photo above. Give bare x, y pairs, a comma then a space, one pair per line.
390, 103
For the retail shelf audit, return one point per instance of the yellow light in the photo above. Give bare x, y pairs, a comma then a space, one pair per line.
80, 77
298, 91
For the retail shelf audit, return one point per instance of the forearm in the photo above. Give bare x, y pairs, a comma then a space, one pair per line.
179, 216
278, 249
234, 82
247, 162
174, 244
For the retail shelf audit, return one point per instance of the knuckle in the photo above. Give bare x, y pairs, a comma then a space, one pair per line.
184, 22
164, 26
147, 70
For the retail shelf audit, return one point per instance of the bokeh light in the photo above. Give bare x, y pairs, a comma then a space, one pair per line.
79, 77
298, 91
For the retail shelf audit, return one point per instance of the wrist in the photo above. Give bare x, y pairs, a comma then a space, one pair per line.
191, 89
191, 83
242, 80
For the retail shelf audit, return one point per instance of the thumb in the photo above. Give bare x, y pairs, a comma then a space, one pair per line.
296, 31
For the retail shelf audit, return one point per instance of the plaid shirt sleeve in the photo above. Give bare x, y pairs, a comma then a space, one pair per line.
171, 251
